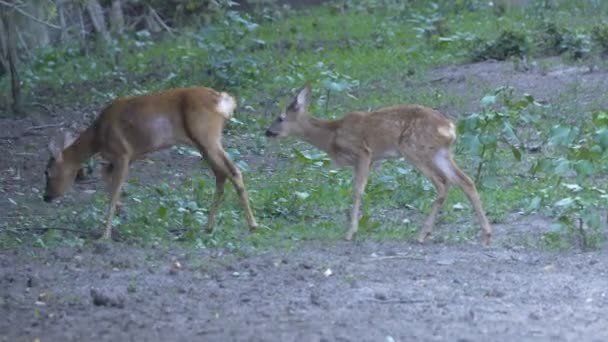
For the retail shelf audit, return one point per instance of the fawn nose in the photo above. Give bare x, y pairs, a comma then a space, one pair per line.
270, 133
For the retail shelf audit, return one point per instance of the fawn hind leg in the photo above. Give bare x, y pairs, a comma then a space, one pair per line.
442, 185
468, 186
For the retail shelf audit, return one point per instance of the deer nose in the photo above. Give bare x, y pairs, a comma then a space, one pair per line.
270, 133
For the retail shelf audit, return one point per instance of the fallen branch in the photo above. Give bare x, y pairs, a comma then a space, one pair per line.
30, 129
397, 301
72, 230
160, 20
24, 13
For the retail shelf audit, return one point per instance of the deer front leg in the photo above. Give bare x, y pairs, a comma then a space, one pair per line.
119, 174
361, 174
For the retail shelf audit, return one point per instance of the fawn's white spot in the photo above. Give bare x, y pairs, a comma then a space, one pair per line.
447, 131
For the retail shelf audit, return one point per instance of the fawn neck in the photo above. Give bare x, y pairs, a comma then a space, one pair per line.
318, 132
83, 148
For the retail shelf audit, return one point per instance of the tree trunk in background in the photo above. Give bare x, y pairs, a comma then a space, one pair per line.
63, 38
8, 43
36, 34
117, 19
97, 18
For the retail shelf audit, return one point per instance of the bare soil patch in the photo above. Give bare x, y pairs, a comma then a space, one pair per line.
362, 291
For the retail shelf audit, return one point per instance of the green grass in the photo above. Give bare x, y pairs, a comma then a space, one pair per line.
303, 199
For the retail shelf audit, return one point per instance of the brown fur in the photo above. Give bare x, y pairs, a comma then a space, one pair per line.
421, 135
132, 126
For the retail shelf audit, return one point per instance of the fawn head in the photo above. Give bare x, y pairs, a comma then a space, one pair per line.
60, 173
291, 117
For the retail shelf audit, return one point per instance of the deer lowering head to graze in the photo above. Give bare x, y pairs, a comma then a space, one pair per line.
421, 135
130, 127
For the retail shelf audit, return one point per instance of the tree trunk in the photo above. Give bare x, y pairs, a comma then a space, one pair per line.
97, 18
64, 28
117, 19
8, 43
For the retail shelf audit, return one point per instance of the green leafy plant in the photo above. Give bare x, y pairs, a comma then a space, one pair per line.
498, 127
509, 43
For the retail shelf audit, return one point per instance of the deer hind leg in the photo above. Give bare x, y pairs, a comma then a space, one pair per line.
224, 168
361, 175
119, 172
468, 186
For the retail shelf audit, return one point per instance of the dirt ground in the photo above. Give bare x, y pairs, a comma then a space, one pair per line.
360, 291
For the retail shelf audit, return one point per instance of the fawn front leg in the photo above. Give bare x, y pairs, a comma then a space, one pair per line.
361, 173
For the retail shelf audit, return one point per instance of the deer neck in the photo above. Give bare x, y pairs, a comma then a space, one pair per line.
83, 148
319, 133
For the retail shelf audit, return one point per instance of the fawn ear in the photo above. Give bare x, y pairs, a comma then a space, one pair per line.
302, 100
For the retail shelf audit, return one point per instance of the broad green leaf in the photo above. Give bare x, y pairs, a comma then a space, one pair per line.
488, 101
565, 202
534, 204
516, 152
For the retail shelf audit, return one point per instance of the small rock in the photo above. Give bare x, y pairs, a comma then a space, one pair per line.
306, 266
78, 259
101, 247
32, 282
101, 299
534, 316
445, 262
380, 296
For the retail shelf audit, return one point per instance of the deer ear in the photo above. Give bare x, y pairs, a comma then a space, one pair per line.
55, 149
303, 99
68, 139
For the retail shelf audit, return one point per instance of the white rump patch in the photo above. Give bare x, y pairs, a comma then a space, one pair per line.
226, 105
447, 131
442, 160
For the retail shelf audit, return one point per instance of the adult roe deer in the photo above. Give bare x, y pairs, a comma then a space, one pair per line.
421, 135
132, 126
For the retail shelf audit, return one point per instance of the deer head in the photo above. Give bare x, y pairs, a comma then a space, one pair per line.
60, 172
292, 117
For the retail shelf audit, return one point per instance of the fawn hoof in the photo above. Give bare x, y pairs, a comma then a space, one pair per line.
423, 236
486, 239
253, 226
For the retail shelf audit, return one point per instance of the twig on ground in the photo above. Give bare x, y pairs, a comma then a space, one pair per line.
391, 257
397, 301
72, 230
30, 129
